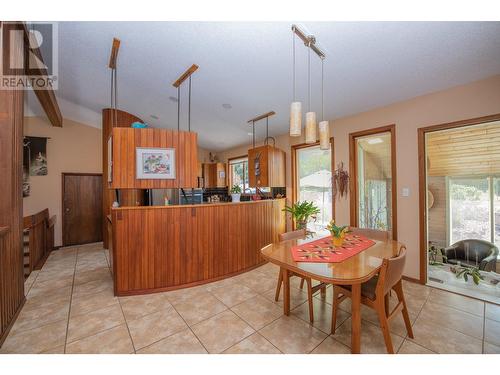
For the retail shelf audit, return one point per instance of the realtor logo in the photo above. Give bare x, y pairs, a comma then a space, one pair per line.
29, 56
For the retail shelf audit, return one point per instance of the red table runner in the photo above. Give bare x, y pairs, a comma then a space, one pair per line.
323, 251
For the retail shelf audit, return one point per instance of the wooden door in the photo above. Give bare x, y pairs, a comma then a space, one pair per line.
82, 208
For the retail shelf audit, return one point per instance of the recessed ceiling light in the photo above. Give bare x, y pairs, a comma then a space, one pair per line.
227, 106
374, 141
173, 98
154, 117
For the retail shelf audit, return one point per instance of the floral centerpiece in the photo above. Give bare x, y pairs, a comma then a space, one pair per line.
338, 233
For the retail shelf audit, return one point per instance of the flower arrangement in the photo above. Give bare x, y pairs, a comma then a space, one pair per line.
338, 233
301, 212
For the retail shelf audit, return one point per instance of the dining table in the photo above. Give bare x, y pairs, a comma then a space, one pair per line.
352, 271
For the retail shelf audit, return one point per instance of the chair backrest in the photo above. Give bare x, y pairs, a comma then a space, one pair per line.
391, 272
296, 234
374, 234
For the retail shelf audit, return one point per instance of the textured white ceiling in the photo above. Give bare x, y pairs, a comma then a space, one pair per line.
248, 65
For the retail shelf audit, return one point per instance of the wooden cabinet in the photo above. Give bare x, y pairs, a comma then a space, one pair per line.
266, 167
214, 175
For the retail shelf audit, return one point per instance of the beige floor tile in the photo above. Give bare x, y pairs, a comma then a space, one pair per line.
292, 335
372, 339
210, 287
297, 297
457, 301
90, 323
415, 289
83, 277
154, 327
410, 347
258, 311
444, 340
331, 346
257, 281
270, 269
136, 306
233, 294
56, 350
198, 308
492, 331
322, 315
36, 340
61, 295
81, 304
222, 331
93, 287
253, 344
493, 312
112, 341
56, 274
47, 287
33, 316
28, 283
396, 325
469, 324
186, 294
490, 348
183, 342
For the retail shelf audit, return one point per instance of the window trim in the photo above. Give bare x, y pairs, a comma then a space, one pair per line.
230, 174
353, 180
295, 174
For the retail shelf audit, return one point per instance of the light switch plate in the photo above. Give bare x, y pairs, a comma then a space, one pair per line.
406, 192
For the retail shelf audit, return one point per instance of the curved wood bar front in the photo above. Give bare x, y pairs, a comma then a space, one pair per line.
163, 248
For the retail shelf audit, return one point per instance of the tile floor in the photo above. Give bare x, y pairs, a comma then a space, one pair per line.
70, 308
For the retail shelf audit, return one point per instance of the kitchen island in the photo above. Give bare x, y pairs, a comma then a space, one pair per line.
161, 248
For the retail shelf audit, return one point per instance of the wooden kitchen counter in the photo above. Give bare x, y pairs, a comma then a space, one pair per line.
160, 248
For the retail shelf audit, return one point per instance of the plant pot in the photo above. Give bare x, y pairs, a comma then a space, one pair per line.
302, 225
235, 197
338, 241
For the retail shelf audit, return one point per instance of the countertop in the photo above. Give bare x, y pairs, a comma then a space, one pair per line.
193, 205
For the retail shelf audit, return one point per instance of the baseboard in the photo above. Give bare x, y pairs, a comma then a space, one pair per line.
4, 335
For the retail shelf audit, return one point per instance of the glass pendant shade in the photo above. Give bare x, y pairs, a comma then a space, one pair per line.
324, 135
311, 127
295, 119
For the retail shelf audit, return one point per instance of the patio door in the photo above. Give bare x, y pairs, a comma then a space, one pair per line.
312, 180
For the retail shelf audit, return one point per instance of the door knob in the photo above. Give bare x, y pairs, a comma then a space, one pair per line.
67, 210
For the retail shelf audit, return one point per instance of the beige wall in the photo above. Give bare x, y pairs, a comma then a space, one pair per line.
476, 99
73, 148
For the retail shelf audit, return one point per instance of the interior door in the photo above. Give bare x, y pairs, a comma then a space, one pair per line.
82, 208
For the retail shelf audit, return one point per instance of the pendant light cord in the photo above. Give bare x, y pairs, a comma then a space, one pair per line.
179, 108
293, 64
322, 92
189, 106
309, 76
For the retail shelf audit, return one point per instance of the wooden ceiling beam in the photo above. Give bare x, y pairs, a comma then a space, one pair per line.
193, 68
263, 116
114, 53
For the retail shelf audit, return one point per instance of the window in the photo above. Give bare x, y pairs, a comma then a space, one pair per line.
238, 173
373, 179
314, 182
474, 209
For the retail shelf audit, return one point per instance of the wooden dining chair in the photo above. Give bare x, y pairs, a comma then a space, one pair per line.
298, 234
375, 293
374, 234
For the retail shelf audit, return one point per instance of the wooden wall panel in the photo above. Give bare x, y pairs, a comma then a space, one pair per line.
163, 248
11, 215
272, 167
125, 142
111, 118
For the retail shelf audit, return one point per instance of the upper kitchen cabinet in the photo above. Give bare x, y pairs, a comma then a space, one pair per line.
214, 175
266, 167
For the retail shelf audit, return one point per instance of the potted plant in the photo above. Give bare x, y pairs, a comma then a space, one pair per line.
467, 272
338, 233
235, 193
302, 212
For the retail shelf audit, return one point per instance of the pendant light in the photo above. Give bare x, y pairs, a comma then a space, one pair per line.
310, 115
324, 126
296, 106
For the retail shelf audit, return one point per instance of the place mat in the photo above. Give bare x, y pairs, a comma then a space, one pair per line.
323, 251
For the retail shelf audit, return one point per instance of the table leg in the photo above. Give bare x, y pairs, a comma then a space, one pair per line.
286, 292
356, 318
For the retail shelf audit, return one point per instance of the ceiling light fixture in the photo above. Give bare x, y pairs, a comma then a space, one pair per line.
295, 107
324, 126
310, 115
227, 106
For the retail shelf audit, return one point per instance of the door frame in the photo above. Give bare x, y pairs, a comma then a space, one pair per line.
422, 180
63, 175
353, 179
293, 161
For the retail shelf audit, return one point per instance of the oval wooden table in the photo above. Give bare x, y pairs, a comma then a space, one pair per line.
352, 271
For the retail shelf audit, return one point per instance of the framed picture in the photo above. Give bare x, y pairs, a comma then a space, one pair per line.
155, 163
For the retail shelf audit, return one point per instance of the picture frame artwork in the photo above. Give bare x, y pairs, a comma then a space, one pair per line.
155, 163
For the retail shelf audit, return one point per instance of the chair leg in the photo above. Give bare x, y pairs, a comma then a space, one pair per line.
334, 308
384, 325
302, 283
386, 303
310, 299
398, 288
278, 287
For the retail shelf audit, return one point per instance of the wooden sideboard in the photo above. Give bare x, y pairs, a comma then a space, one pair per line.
170, 247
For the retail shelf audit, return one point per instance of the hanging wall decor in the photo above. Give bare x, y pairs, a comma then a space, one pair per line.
26, 169
37, 149
155, 163
340, 181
